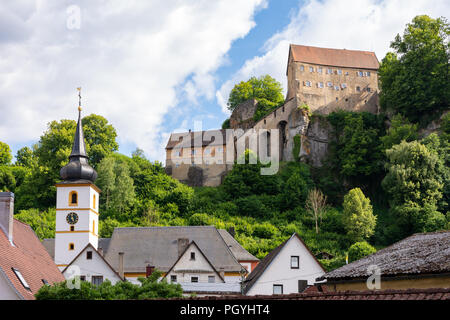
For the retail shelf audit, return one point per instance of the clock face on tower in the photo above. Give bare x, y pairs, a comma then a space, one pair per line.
72, 218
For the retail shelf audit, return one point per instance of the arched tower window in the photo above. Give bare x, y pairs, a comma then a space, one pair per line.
73, 198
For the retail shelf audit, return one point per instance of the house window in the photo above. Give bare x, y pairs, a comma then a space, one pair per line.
358, 88
220, 149
192, 255
277, 289
311, 69
71, 246
83, 278
73, 198
219, 161
368, 89
194, 279
308, 83
21, 278
193, 152
97, 280
207, 151
72, 228
337, 98
173, 278
211, 279
89, 255
177, 165
295, 262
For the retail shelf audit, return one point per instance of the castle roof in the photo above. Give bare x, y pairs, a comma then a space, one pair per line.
197, 139
334, 57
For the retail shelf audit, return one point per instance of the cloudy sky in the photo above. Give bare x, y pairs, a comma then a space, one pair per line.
157, 66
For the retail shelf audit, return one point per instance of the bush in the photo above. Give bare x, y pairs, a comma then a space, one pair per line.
265, 230
359, 250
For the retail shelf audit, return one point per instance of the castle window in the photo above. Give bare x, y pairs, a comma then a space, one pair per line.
308, 83
346, 73
302, 68
207, 151
264, 121
368, 73
193, 152
320, 84
336, 88
358, 88
344, 85
219, 161
339, 72
73, 198
71, 246
368, 89
220, 149
319, 70
361, 74
311, 69
330, 84
329, 71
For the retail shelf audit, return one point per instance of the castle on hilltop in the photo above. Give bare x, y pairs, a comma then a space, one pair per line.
320, 81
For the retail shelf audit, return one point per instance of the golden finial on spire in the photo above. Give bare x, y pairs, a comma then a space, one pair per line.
79, 98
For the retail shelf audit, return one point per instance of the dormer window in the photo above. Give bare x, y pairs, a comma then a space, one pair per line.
21, 278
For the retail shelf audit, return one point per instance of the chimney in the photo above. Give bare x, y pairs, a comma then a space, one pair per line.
231, 231
149, 270
182, 245
121, 273
7, 214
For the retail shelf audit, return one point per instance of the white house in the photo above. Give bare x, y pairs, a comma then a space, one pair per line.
90, 265
289, 268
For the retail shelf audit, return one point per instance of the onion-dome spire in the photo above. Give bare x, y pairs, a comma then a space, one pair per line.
78, 167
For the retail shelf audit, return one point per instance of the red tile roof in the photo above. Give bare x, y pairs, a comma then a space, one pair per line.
334, 57
29, 256
407, 294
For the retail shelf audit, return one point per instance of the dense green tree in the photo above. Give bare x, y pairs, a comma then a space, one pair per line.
5, 154
414, 185
43, 223
415, 78
265, 89
149, 288
400, 130
358, 215
359, 250
25, 157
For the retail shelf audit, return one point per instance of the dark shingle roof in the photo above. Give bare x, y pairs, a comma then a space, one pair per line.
335, 57
422, 253
158, 246
238, 251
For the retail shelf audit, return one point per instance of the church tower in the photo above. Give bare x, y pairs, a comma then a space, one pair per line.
76, 203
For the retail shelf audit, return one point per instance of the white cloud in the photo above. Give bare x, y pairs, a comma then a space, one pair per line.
130, 57
360, 25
